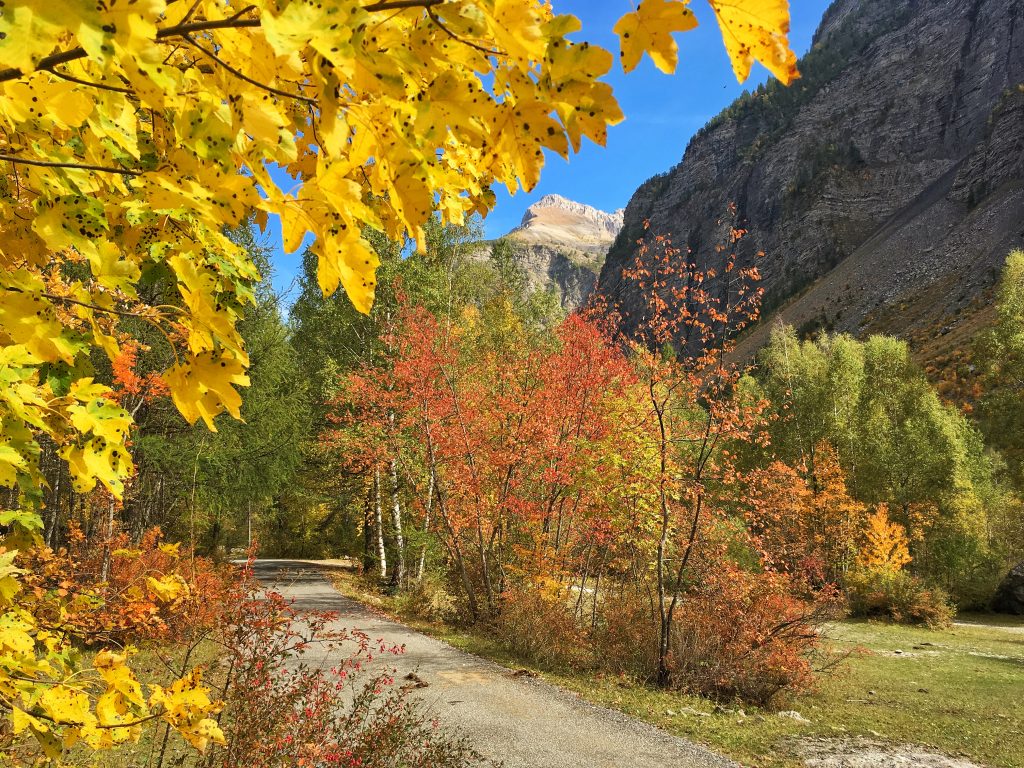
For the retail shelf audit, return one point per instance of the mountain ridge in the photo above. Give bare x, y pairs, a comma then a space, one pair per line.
562, 245
892, 172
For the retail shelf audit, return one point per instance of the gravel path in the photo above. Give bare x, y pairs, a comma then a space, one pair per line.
519, 721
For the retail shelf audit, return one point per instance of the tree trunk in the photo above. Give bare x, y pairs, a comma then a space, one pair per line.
398, 575
378, 517
368, 563
106, 545
426, 527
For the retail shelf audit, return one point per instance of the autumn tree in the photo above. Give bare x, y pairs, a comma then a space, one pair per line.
680, 349
896, 443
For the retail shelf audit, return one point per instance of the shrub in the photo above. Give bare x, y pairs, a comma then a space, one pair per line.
119, 593
539, 626
898, 596
737, 635
625, 637
428, 598
744, 635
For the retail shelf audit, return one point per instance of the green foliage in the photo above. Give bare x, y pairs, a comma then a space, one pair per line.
899, 444
1001, 355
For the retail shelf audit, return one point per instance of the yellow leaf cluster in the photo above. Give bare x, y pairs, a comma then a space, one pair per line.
753, 30
886, 547
60, 704
136, 135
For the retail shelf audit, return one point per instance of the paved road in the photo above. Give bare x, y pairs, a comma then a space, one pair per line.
522, 722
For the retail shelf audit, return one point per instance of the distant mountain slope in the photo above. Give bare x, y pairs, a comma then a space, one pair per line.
886, 187
563, 244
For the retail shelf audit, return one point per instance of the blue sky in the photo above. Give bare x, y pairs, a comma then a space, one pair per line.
662, 113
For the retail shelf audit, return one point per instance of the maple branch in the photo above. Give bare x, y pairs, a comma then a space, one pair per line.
191, 11
75, 166
397, 5
242, 76
185, 29
40, 715
89, 83
440, 25
96, 308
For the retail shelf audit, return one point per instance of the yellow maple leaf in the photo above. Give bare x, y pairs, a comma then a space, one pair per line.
15, 636
12, 464
757, 30
524, 129
167, 589
118, 676
171, 549
350, 262
30, 30
29, 319
186, 707
66, 705
649, 30
101, 453
9, 572
203, 387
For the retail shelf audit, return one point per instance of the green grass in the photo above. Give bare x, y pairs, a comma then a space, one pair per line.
957, 691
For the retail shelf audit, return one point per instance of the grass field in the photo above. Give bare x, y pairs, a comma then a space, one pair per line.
959, 691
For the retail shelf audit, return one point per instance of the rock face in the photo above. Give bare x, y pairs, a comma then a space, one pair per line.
1010, 595
886, 187
563, 245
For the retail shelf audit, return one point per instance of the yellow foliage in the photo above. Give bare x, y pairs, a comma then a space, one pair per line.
137, 134
649, 30
886, 546
757, 30
167, 589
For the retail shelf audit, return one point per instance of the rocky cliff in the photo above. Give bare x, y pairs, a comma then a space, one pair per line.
562, 245
886, 187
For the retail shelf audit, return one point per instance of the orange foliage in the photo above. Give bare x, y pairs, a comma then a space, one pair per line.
837, 518
117, 594
806, 523
745, 635
131, 386
886, 545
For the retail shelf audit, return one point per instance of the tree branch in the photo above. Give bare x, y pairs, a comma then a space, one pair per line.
74, 166
185, 29
440, 25
89, 83
242, 76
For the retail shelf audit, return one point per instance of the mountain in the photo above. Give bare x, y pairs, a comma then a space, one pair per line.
562, 245
886, 187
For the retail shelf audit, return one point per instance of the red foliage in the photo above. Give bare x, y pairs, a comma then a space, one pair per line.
744, 635
505, 436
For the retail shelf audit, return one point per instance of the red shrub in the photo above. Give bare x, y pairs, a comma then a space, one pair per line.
743, 635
